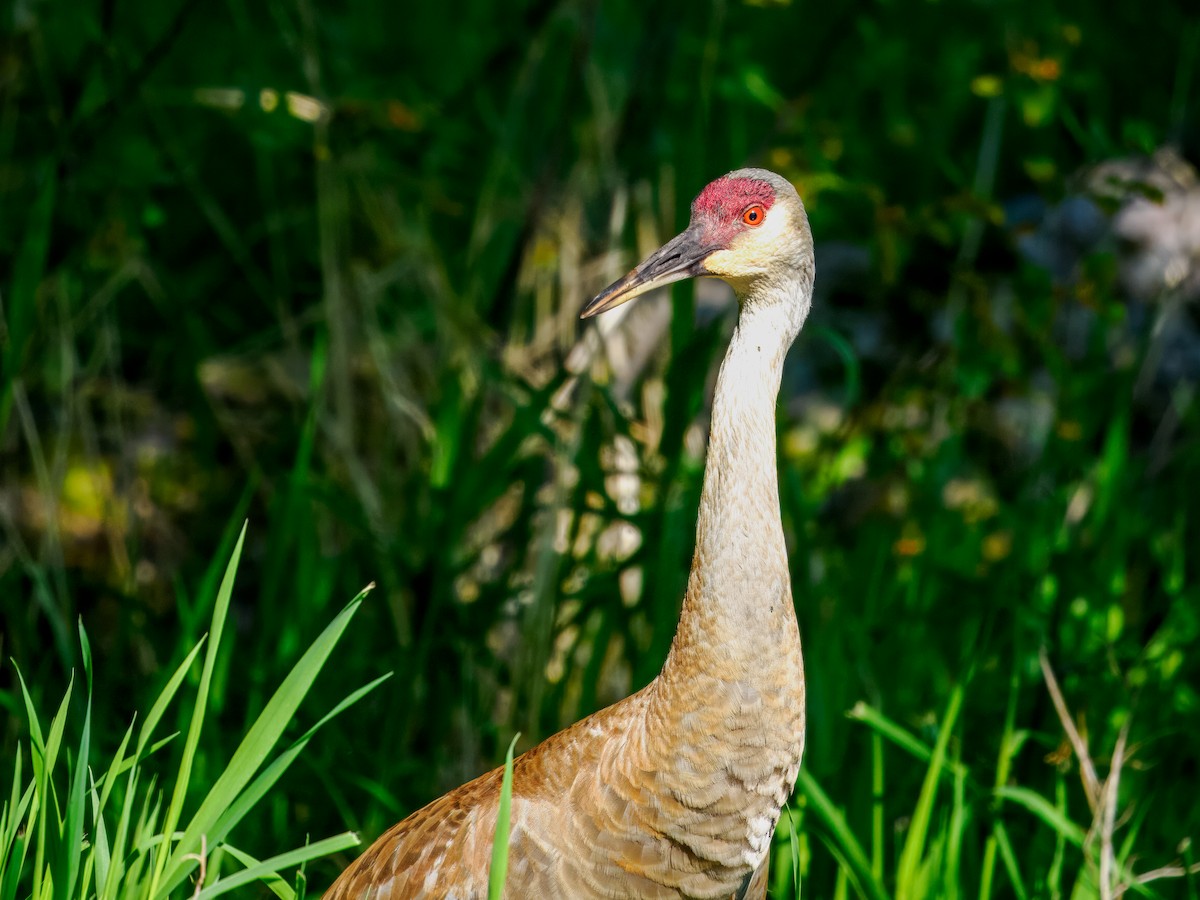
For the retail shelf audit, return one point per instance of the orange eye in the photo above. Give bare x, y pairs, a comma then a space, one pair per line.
754, 215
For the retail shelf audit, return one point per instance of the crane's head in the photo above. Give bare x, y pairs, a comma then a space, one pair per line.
748, 228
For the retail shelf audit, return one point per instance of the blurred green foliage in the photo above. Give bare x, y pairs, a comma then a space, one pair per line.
320, 266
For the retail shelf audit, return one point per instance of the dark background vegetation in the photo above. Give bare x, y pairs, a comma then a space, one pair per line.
318, 266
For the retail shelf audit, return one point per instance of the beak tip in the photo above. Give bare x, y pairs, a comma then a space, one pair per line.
612, 296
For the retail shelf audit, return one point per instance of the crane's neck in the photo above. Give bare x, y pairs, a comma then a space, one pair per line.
724, 721
737, 613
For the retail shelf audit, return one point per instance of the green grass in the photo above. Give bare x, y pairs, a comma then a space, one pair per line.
499, 868
954, 812
107, 833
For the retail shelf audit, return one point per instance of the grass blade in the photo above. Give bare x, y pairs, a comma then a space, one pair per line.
272, 881
499, 870
842, 840
76, 800
794, 846
164, 699
102, 854
255, 746
914, 843
269, 868
1010, 862
250, 797
877, 808
13, 844
44, 757
1044, 810
1010, 743
897, 734
175, 809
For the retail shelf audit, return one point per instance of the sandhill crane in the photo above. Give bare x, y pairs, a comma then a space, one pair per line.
673, 792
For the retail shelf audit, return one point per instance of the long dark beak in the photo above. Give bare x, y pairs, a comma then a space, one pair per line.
681, 257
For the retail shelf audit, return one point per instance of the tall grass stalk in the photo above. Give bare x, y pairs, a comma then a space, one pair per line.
499, 869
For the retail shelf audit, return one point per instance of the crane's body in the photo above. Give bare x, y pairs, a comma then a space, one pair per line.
673, 792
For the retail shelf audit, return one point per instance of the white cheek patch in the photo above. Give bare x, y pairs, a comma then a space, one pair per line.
753, 252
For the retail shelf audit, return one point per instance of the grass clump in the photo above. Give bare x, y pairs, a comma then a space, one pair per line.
74, 828
936, 847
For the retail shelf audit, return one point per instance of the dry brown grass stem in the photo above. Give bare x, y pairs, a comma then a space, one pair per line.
1087, 771
1115, 879
202, 859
